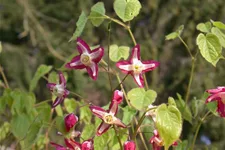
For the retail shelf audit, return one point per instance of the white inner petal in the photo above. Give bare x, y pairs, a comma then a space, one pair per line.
137, 78
96, 54
103, 127
147, 66
83, 48
126, 67
101, 113
75, 63
93, 68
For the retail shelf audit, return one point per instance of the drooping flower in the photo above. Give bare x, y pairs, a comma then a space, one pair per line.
108, 117
58, 147
157, 142
59, 90
70, 121
85, 145
136, 67
88, 59
218, 95
129, 145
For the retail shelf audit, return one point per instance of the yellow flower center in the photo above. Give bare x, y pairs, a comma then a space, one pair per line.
108, 119
137, 68
85, 59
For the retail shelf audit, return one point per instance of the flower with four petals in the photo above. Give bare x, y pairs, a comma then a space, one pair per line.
108, 117
88, 59
136, 67
59, 90
218, 95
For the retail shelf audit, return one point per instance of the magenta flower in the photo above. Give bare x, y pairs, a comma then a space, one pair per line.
108, 117
59, 90
88, 59
129, 145
157, 142
136, 67
218, 95
59, 147
85, 145
70, 121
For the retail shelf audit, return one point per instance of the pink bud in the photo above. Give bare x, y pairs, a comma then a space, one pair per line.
88, 145
129, 145
70, 120
118, 96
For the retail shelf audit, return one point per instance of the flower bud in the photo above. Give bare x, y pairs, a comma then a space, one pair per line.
129, 145
70, 120
118, 96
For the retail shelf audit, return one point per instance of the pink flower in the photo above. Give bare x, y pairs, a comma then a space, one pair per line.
58, 147
59, 90
157, 142
85, 145
70, 121
88, 59
218, 95
108, 117
129, 145
136, 67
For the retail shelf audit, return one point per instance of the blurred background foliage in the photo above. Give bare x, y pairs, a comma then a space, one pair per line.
30, 33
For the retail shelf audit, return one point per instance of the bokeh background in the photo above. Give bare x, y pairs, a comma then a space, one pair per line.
28, 39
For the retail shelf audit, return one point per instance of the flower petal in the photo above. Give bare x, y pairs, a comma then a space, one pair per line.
135, 55
129, 145
93, 70
118, 96
51, 86
97, 54
66, 93
57, 146
75, 63
70, 121
213, 97
72, 144
149, 65
98, 111
139, 79
82, 46
102, 128
62, 79
113, 108
125, 66
221, 108
118, 122
88, 145
217, 90
57, 101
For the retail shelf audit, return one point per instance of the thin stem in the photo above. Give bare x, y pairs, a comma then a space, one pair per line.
4, 77
197, 130
109, 34
121, 82
85, 100
146, 82
124, 92
131, 35
38, 104
118, 137
117, 21
188, 49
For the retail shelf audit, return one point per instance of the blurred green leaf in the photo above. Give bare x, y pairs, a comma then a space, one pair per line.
127, 10
175, 34
116, 53
168, 124
88, 131
60, 125
41, 71
44, 112
140, 99
182, 145
85, 114
70, 104
212, 106
197, 106
171, 101
97, 14
204, 27
220, 35
128, 114
218, 24
210, 47
80, 26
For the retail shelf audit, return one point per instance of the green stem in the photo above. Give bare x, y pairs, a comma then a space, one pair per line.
118, 137
197, 130
131, 35
4, 77
38, 104
122, 88
86, 100
109, 76
188, 49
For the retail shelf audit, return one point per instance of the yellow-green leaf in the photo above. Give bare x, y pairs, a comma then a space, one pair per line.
116, 53
97, 14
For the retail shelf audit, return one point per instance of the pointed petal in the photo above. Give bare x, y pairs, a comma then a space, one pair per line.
98, 111
72, 144
97, 54
113, 108
221, 109
135, 55
93, 71
62, 79
118, 122
102, 128
213, 97
88, 145
118, 96
125, 66
57, 101
51, 86
82, 46
217, 90
75, 63
139, 80
66, 93
57, 146
149, 65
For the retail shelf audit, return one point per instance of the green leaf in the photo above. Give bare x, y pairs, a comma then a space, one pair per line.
128, 114
168, 124
44, 112
116, 53
171, 101
220, 35
60, 125
85, 114
80, 26
88, 131
210, 47
70, 105
19, 125
218, 24
140, 99
97, 14
184, 109
204, 27
182, 145
212, 106
41, 71
127, 10
175, 34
